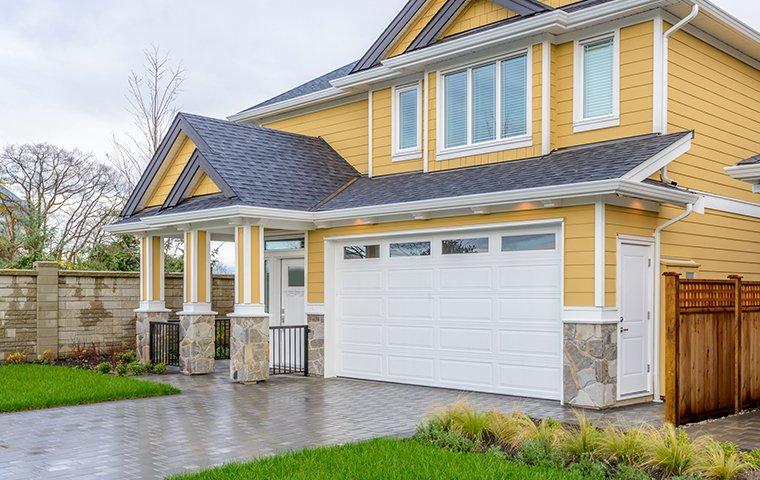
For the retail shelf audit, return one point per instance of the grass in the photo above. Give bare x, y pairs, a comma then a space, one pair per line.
381, 459
31, 386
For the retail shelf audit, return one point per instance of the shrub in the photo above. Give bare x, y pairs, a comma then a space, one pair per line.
136, 368
16, 358
719, 461
548, 432
584, 442
438, 434
589, 468
470, 422
103, 367
671, 452
48, 357
148, 366
121, 369
128, 357
159, 368
624, 447
752, 458
627, 472
540, 452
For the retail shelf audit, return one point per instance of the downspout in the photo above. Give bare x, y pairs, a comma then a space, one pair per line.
664, 127
657, 245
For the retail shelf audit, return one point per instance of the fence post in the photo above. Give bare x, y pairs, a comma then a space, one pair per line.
672, 301
737, 342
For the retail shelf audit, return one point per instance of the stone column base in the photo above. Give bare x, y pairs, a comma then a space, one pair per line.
316, 323
249, 348
590, 365
142, 329
196, 343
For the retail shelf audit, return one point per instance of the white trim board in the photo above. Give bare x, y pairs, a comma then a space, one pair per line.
590, 315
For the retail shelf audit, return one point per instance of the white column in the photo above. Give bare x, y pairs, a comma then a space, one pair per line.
151, 274
197, 273
249, 270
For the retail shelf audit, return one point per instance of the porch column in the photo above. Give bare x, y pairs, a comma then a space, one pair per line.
196, 320
152, 305
249, 324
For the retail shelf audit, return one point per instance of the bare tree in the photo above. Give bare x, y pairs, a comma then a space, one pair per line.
65, 197
152, 102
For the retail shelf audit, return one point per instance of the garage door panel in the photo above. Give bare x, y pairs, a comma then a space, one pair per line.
529, 277
466, 339
361, 306
357, 334
408, 278
529, 309
465, 309
408, 336
462, 278
467, 373
538, 381
529, 342
410, 307
411, 368
361, 280
362, 364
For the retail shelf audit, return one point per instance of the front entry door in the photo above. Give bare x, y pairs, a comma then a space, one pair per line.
635, 318
292, 290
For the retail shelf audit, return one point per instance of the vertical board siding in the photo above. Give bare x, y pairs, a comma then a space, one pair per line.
718, 96
415, 27
578, 257
172, 172
344, 127
205, 186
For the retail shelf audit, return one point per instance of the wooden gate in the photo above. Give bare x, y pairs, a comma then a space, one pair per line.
712, 349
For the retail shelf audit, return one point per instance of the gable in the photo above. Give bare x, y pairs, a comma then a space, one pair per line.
476, 14
205, 186
418, 23
179, 156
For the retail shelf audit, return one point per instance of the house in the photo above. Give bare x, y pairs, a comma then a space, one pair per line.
484, 201
9, 203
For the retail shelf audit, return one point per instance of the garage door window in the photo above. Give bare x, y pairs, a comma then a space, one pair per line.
520, 243
356, 252
464, 245
410, 249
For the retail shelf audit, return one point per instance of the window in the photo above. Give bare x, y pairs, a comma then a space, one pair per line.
284, 244
295, 277
465, 245
406, 122
410, 249
596, 91
486, 105
518, 243
354, 252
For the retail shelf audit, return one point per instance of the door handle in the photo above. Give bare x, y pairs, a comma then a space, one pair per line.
623, 329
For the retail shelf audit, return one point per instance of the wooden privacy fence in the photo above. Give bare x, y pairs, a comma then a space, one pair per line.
712, 349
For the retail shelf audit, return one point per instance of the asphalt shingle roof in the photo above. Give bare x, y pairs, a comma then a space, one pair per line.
271, 168
600, 161
751, 160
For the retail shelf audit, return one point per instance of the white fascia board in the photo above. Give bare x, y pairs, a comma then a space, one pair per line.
746, 173
290, 104
576, 190
716, 12
660, 160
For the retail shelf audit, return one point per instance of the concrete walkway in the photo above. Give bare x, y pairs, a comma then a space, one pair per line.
214, 421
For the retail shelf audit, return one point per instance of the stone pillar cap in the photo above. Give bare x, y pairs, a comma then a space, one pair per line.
45, 263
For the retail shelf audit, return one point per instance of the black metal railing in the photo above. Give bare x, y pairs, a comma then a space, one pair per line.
289, 350
164, 343
222, 339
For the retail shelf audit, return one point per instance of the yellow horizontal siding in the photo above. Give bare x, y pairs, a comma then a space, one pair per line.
344, 127
718, 96
476, 14
382, 150
205, 186
636, 65
172, 173
579, 245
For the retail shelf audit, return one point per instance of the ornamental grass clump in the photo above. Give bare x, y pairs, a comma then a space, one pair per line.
671, 453
624, 447
718, 461
584, 442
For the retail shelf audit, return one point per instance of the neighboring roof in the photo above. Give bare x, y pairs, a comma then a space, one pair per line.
4, 192
256, 165
751, 160
600, 161
316, 85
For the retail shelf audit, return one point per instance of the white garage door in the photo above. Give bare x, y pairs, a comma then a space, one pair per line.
475, 310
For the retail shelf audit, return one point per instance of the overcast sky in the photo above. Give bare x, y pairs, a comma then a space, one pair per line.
64, 64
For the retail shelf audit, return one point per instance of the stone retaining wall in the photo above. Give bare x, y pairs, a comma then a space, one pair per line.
47, 308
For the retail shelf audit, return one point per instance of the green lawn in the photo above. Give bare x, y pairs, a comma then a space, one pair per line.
28, 387
380, 459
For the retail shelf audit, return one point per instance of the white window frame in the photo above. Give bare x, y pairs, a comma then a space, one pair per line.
518, 141
412, 153
580, 123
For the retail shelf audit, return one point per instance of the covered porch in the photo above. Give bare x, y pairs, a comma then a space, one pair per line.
266, 332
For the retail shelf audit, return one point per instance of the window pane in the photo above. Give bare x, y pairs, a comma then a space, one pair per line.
516, 243
465, 245
407, 113
455, 97
484, 103
361, 251
597, 78
514, 96
410, 249
295, 277
283, 244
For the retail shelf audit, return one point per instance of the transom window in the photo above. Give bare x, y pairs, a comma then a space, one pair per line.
486, 103
519, 243
410, 249
464, 245
406, 121
356, 252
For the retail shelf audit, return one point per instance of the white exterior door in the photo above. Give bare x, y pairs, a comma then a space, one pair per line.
635, 318
292, 292
478, 310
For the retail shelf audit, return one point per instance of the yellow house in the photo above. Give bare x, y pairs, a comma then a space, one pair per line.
484, 201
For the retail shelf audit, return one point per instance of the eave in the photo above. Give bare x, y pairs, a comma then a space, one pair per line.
746, 173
